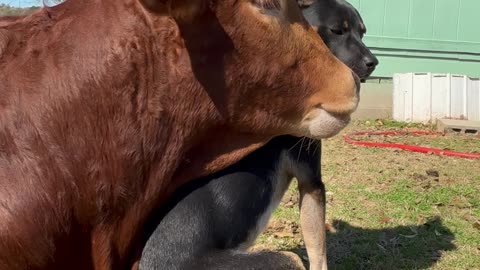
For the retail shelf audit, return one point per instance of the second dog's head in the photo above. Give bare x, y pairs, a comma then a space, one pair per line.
341, 28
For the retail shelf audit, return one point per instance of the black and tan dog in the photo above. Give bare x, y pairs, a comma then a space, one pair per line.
211, 222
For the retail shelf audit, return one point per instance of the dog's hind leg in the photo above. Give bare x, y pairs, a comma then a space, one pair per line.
233, 260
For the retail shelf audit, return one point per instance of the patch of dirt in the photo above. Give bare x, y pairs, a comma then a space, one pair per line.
433, 173
290, 200
283, 229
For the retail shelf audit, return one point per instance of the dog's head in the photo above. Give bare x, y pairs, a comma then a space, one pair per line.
341, 28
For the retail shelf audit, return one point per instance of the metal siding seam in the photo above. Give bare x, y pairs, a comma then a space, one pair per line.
458, 18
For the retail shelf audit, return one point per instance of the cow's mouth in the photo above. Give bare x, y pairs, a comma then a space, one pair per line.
321, 124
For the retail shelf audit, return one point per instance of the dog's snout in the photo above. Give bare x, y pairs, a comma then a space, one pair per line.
371, 61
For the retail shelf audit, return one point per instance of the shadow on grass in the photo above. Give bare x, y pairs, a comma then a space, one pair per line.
402, 247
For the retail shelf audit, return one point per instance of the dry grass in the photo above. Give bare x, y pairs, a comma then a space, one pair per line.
388, 209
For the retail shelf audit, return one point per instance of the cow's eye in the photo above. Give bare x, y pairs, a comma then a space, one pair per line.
337, 31
268, 6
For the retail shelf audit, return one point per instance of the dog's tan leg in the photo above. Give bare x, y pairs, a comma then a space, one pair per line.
312, 221
231, 260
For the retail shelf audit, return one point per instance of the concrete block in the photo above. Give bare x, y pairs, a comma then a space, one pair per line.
460, 126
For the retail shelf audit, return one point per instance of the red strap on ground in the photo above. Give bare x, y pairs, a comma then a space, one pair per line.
410, 148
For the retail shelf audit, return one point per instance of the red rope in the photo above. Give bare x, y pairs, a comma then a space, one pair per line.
409, 148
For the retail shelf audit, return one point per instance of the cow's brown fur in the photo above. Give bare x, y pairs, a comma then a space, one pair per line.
107, 106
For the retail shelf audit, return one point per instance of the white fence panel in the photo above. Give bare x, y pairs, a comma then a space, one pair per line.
457, 104
473, 99
441, 95
421, 93
423, 97
402, 97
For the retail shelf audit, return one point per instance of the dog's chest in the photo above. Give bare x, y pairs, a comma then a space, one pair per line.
280, 179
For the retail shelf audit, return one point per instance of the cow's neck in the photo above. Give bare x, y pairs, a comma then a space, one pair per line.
191, 148
183, 108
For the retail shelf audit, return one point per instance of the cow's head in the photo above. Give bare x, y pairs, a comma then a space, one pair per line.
265, 69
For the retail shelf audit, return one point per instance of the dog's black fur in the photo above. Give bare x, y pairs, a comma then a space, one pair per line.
341, 28
228, 210
222, 211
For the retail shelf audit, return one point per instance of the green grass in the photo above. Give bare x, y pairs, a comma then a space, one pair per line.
387, 212
391, 124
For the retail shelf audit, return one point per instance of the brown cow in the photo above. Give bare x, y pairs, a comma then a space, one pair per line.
107, 106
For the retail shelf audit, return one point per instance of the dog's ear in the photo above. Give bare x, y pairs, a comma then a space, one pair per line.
305, 3
181, 10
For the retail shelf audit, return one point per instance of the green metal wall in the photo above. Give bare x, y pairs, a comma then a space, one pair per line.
441, 36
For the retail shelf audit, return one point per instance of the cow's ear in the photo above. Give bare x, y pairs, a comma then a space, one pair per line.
180, 10
305, 3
